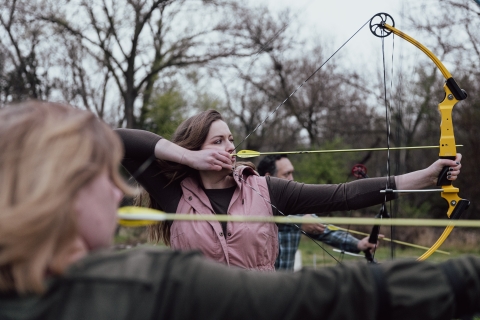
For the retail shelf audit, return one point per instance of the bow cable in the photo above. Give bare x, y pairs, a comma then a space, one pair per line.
273, 112
301, 85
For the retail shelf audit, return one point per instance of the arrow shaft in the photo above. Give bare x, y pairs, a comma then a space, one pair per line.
332, 227
137, 214
247, 154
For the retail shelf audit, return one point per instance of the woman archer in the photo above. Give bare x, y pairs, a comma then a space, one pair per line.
196, 173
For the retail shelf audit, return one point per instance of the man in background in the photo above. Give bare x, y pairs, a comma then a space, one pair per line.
279, 166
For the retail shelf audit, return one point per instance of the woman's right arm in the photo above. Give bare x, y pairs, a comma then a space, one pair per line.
208, 159
138, 144
139, 148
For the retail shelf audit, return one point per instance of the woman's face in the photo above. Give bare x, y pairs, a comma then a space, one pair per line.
96, 205
219, 137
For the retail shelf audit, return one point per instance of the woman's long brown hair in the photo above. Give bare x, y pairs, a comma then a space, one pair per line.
190, 134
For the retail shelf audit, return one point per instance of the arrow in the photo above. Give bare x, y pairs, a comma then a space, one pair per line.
332, 227
129, 216
253, 153
139, 217
349, 253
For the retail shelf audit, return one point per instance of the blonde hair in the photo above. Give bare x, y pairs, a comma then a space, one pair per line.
48, 153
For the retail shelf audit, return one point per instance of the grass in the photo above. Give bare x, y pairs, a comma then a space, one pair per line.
314, 256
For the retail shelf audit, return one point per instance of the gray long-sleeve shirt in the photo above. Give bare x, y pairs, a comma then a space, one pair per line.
151, 284
289, 197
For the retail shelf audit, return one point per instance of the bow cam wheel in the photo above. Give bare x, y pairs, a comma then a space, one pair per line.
377, 24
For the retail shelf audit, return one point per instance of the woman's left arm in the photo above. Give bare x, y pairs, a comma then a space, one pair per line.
292, 197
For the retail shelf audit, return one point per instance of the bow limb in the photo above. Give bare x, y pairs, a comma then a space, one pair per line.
456, 206
453, 94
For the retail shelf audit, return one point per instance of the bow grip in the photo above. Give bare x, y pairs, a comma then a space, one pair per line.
373, 238
442, 176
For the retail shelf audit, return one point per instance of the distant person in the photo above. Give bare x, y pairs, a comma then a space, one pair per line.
59, 191
279, 166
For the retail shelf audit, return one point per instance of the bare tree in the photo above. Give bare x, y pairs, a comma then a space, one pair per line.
131, 43
330, 106
325, 107
25, 59
245, 105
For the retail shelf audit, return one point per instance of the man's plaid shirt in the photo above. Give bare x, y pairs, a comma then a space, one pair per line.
289, 239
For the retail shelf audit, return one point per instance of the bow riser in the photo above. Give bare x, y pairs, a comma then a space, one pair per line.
448, 149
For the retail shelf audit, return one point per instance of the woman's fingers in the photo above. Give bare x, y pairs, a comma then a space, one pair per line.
210, 160
454, 167
224, 160
218, 160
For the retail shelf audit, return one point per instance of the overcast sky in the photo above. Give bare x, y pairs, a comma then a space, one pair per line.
343, 17
336, 21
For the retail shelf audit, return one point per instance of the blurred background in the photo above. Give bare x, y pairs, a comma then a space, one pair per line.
150, 64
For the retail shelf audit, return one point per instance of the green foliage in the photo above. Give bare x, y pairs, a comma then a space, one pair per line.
207, 101
322, 168
411, 210
169, 108
165, 113
314, 256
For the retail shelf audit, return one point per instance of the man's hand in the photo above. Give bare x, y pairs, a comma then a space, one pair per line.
363, 244
313, 228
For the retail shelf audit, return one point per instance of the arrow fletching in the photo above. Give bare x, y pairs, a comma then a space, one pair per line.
138, 216
247, 154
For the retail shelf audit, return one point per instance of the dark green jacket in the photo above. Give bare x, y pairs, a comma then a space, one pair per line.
153, 284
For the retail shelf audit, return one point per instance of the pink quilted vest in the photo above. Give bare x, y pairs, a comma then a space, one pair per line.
246, 245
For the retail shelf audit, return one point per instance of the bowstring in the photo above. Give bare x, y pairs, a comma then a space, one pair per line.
152, 158
279, 211
300, 86
392, 228
388, 132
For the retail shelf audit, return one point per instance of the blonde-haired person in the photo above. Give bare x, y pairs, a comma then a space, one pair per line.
49, 154
193, 175
59, 190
